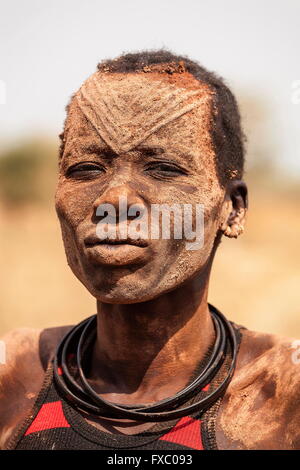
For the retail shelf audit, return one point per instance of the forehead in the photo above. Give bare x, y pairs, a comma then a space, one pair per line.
123, 111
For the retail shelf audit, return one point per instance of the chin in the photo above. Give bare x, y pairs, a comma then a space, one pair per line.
122, 295
129, 290
119, 287
132, 284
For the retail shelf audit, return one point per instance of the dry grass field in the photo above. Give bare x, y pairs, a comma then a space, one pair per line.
255, 279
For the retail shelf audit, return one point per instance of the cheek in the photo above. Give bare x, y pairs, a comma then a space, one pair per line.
74, 202
69, 240
182, 259
212, 216
212, 213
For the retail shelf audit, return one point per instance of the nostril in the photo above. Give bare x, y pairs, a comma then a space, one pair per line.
134, 216
136, 211
119, 211
102, 215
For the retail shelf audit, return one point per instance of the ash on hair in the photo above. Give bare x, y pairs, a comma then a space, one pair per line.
227, 134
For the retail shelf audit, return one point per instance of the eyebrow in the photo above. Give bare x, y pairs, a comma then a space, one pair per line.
106, 152
157, 151
150, 151
96, 148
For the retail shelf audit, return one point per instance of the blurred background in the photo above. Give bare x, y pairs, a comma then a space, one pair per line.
48, 48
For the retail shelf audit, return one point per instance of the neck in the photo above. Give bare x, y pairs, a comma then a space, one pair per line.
147, 351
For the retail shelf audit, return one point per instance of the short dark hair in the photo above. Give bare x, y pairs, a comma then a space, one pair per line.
228, 137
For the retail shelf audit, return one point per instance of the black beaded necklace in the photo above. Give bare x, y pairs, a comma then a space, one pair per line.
82, 396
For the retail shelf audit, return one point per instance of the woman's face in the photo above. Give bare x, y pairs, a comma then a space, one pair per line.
117, 156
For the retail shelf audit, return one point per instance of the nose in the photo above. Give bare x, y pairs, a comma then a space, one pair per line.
127, 204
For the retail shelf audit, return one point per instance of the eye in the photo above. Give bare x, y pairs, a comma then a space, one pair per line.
165, 170
85, 170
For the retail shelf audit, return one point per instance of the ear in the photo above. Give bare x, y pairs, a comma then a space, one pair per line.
234, 209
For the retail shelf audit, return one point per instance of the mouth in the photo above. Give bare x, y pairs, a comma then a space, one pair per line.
116, 251
95, 241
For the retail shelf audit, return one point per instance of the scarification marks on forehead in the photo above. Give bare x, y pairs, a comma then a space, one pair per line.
125, 109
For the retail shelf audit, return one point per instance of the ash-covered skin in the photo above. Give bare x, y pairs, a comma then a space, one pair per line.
175, 163
261, 408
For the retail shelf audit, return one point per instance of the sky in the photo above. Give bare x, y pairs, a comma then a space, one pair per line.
48, 48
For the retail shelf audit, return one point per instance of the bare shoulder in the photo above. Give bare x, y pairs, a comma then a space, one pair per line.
25, 354
261, 408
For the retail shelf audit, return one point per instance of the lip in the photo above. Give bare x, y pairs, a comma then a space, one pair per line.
116, 252
95, 241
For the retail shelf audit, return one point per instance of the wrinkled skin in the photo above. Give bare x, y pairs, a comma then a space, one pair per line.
153, 298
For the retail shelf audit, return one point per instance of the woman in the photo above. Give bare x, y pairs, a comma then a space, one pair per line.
150, 139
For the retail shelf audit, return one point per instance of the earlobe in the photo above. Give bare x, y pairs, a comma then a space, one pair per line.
236, 208
233, 231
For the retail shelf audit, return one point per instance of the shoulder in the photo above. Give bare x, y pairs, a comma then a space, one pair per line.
19, 357
27, 350
267, 355
25, 353
261, 408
